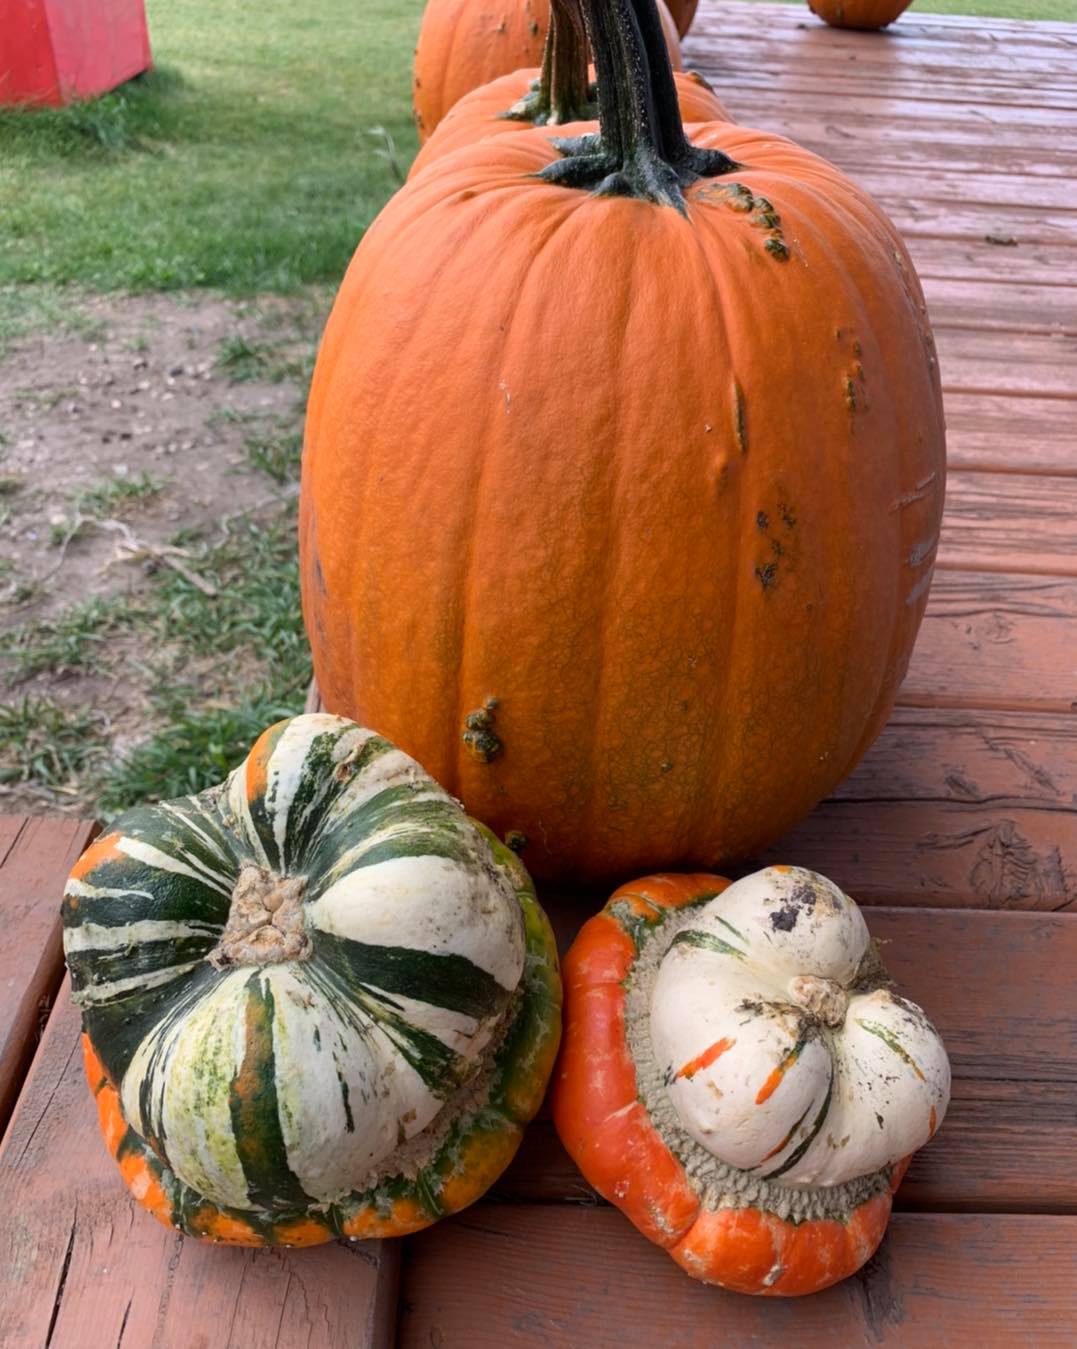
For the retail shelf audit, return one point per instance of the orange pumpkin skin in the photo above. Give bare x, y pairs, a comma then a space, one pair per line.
683, 12
621, 521
863, 14
607, 1132
464, 44
481, 114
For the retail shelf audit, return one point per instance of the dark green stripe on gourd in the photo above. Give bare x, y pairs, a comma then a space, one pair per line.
322, 782
119, 1026
360, 1008
706, 941
812, 1135
440, 979
140, 958
425, 827
254, 1109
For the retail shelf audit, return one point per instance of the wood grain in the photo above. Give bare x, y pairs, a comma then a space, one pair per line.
996, 641
35, 857
82, 1265
1002, 434
568, 1276
1010, 522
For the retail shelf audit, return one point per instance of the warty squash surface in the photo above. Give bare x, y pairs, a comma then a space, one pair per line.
620, 506
739, 1077
318, 1000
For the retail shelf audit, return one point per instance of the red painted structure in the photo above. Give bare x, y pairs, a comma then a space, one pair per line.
54, 51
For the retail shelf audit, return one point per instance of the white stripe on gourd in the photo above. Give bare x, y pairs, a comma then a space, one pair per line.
141, 851
185, 1068
738, 1024
388, 904
96, 994
97, 937
385, 1097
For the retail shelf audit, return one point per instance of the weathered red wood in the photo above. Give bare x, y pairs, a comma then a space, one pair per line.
1011, 523
537, 1275
1000, 434
996, 640
35, 857
81, 1264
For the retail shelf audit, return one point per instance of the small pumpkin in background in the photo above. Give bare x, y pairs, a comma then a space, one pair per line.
464, 44
317, 1000
739, 1078
560, 94
862, 14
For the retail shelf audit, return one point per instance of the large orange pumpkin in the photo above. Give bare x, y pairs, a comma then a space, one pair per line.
467, 43
619, 508
869, 14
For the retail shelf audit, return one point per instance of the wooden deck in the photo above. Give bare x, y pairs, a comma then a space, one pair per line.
959, 829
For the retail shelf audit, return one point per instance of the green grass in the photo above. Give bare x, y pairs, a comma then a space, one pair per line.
246, 160
46, 744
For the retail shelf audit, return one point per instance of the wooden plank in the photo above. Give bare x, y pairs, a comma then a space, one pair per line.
1035, 364
996, 641
977, 260
1006, 306
538, 1275
1010, 522
1001, 434
81, 1264
35, 857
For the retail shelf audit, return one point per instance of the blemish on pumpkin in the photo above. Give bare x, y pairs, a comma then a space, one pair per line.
740, 426
665, 767
762, 520
767, 575
777, 250
932, 1123
789, 520
850, 395
516, 840
706, 1058
479, 737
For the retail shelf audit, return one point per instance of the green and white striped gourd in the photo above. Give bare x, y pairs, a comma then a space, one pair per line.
318, 1000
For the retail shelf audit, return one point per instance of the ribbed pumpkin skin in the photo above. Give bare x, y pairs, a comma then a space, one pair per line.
668, 499
264, 1103
864, 14
464, 44
608, 1133
480, 114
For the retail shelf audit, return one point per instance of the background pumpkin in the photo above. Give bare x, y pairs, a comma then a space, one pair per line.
739, 1079
317, 1000
485, 112
464, 44
866, 14
621, 516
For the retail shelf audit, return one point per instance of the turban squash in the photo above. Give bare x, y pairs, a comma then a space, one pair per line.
739, 1078
464, 44
867, 14
619, 507
317, 1001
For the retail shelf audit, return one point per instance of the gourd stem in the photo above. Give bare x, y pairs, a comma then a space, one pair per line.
641, 149
564, 92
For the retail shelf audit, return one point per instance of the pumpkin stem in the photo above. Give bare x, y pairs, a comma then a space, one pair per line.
641, 150
564, 93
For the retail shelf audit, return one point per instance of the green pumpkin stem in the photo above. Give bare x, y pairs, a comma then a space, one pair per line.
641, 150
564, 92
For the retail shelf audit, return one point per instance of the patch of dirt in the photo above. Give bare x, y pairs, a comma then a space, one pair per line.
168, 395
168, 418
